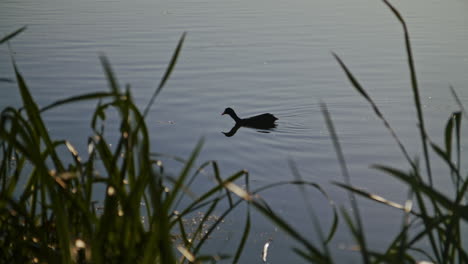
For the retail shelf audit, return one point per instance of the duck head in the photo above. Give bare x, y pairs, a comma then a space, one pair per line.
229, 111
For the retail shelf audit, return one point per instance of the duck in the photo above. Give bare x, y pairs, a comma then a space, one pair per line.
263, 121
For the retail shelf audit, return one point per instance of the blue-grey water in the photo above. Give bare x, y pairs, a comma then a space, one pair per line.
255, 56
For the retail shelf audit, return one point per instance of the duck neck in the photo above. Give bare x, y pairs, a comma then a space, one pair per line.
235, 117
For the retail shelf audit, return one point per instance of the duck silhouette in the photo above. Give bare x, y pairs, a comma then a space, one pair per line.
263, 121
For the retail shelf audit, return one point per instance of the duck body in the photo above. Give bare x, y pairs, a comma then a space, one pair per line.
263, 121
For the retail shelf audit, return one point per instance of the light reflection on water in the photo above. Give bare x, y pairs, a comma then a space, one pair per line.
255, 56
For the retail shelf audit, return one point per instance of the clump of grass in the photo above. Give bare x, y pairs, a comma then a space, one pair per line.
47, 208
429, 216
441, 216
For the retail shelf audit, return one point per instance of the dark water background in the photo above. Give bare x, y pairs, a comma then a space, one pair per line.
255, 56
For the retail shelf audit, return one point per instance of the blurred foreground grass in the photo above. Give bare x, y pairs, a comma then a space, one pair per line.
47, 210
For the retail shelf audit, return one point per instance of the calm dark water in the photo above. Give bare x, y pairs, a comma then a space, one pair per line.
255, 56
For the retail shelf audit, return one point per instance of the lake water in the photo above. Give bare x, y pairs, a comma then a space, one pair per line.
255, 56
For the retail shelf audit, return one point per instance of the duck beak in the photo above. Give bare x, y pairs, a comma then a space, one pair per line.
223, 113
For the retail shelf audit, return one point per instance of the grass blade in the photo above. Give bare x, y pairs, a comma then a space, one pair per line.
113, 83
166, 75
427, 190
84, 97
312, 215
377, 111
12, 34
246, 232
373, 197
458, 101
414, 85
182, 176
33, 113
344, 170
7, 80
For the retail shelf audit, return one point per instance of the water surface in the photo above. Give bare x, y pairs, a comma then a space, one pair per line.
255, 56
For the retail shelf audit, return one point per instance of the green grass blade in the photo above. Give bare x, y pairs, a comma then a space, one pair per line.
182, 176
374, 106
334, 225
220, 181
183, 233
166, 75
84, 97
414, 85
33, 113
458, 101
245, 234
458, 120
111, 79
448, 136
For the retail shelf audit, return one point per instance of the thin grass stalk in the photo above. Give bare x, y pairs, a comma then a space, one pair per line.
217, 222
312, 215
195, 204
454, 121
374, 106
214, 225
219, 180
419, 189
406, 224
414, 85
420, 251
78, 98
166, 75
458, 120
12, 34
400, 241
192, 179
210, 210
168, 203
450, 238
458, 101
306, 255
436, 196
453, 167
246, 232
344, 171
263, 208
334, 225
183, 233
